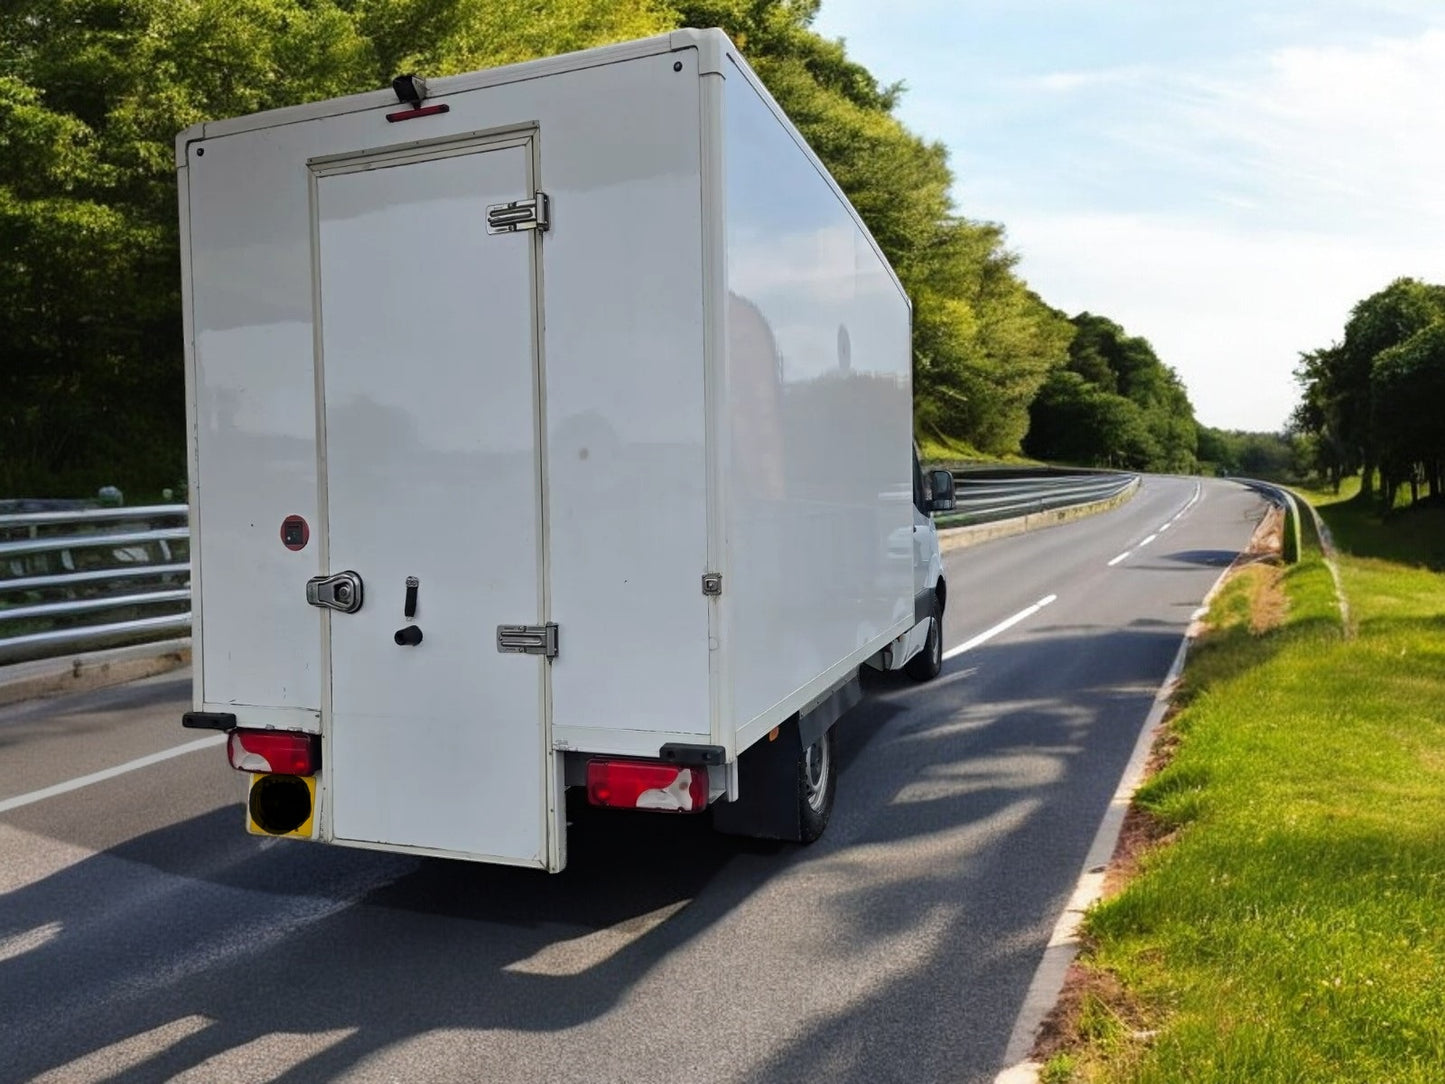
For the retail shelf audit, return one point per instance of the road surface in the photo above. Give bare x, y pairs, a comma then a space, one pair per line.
144, 936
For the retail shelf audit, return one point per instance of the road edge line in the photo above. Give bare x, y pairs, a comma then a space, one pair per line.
22, 800
1048, 980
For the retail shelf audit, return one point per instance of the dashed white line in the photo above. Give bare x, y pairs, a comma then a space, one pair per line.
1198, 489
109, 773
1005, 624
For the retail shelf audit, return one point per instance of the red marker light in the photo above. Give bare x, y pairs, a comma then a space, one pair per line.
643, 784
422, 111
281, 752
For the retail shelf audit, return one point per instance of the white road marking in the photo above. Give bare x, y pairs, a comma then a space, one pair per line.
1007, 623
1198, 489
110, 773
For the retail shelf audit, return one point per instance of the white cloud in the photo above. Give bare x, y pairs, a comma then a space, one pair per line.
1354, 135
1226, 181
1068, 82
1315, 182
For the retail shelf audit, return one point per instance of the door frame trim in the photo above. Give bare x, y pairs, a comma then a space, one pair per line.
527, 136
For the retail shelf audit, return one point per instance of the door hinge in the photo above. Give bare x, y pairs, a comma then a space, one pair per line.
528, 639
712, 583
520, 214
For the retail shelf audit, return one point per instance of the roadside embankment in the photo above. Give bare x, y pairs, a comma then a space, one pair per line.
1275, 906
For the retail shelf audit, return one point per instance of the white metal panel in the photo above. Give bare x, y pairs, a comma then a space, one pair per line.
183, 193
818, 377
622, 346
714, 65
429, 376
625, 417
449, 85
254, 445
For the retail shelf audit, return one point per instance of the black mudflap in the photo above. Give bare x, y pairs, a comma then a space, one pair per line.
767, 806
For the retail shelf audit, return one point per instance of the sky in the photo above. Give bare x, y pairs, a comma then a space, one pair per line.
1226, 179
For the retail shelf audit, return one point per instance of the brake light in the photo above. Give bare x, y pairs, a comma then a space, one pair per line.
642, 784
282, 752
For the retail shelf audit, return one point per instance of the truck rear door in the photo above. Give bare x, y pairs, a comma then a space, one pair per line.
428, 375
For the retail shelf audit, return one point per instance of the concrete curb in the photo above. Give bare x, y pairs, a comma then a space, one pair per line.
90, 670
953, 538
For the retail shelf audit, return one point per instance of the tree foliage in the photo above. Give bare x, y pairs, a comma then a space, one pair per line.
1372, 400
1407, 392
92, 93
1278, 457
1114, 403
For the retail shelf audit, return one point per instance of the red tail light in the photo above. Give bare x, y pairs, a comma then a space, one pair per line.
642, 784
282, 752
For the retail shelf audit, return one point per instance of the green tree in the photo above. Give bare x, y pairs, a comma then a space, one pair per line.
1320, 413
1380, 321
1407, 393
446, 37
1074, 421
1158, 434
92, 93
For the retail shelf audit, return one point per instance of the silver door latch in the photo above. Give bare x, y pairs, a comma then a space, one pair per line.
341, 592
528, 639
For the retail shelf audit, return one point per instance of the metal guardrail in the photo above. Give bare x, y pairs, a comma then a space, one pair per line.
84, 579
985, 497
79, 580
1281, 497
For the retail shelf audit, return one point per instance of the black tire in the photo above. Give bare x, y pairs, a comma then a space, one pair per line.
817, 787
927, 663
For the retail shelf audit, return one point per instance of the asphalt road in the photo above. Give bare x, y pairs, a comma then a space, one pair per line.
144, 936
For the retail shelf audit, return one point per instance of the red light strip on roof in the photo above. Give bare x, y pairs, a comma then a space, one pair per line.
424, 111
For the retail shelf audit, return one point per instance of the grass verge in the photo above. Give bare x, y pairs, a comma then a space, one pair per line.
1285, 920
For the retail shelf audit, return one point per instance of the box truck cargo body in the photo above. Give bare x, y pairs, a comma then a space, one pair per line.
549, 426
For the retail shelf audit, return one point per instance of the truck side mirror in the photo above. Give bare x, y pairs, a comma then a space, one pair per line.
941, 483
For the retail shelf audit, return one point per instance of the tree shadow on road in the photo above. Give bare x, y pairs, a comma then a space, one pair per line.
965, 811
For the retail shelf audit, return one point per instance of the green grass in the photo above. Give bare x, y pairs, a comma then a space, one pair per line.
937, 451
1292, 928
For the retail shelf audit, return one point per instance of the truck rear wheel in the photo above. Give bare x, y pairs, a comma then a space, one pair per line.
927, 663
817, 787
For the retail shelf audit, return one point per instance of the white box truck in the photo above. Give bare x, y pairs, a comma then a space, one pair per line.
550, 427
